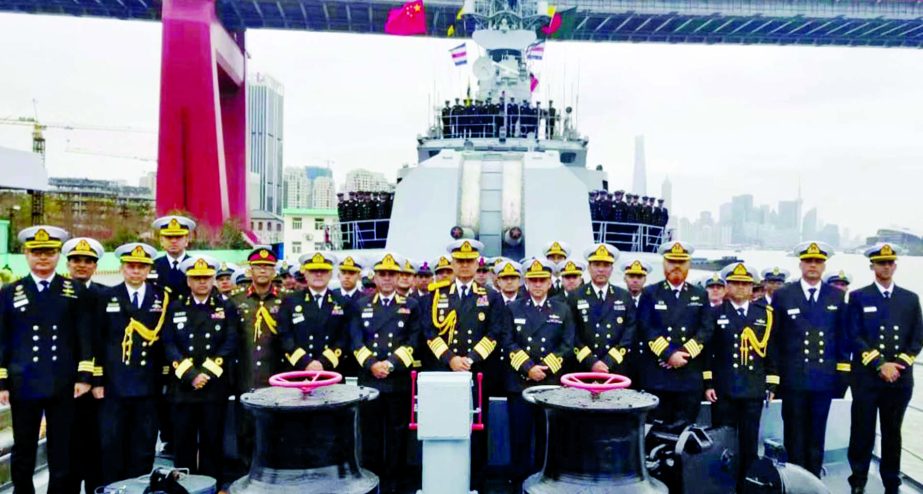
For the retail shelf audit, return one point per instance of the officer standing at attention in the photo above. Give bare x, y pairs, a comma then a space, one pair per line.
422, 278
740, 365
556, 252
635, 275
313, 323
461, 322
83, 255
443, 269
716, 287
200, 337
349, 272
813, 355
839, 280
509, 281
604, 315
45, 359
383, 336
570, 271
174, 238
130, 318
886, 330
538, 334
675, 327
223, 281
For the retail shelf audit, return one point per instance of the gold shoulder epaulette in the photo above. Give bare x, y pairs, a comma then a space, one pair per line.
438, 284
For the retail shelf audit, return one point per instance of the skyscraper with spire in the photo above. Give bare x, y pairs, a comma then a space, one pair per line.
639, 182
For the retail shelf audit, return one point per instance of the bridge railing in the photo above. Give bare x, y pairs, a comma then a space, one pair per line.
538, 125
362, 234
630, 237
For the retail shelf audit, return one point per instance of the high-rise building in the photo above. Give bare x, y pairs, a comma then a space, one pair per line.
809, 226
789, 216
149, 182
666, 193
366, 181
297, 189
324, 193
639, 181
265, 130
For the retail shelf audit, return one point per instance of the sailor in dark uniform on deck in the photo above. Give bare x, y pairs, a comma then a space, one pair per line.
461, 324
604, 315
813, 355
383, 336
716, 287
886, 331
130, 360
83, 254
174, 234
200, 341
675, 328
538, 335
740, 368
45, 359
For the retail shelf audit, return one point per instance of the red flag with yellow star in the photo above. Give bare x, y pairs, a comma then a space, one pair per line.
408, 19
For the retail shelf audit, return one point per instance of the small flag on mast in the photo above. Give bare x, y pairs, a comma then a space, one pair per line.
459, 54
536, 51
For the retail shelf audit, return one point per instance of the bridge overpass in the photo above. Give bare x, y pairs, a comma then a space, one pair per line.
882, 23
202, 138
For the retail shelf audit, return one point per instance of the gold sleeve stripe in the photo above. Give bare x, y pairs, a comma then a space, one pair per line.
844, 367
4, 373
332, 356
869, 356
693, 347
405, 353
518, 358
362, 355
213, 367
182, 367
295, 356
485, 347
909, 359
583, 353
658, 345
771, 379
97, 371
166, 370
85, 366
438, 346
553, 362
707, 375
617, 354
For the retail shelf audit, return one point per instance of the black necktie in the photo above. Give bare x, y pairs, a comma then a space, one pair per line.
386, 302
741, 312
676, 294
887, 294
601, 295
134, 300
175, 265
811, 292
464, 291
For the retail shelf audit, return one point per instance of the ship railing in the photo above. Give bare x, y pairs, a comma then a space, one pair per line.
630, 237
501, 125
360, 234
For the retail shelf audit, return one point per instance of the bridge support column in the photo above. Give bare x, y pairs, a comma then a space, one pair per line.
202, 158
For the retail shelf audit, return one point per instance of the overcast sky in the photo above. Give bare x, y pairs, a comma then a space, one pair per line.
718, 120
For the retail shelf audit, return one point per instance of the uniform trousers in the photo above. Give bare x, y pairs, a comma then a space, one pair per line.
128, 436
27, 420
889, 403
804, 417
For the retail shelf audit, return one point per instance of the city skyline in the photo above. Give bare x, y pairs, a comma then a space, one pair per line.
719, 121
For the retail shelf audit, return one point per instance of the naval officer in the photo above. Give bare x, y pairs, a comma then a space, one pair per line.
886, 331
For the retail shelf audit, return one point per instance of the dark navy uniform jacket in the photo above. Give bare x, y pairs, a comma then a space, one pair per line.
668, 324
314, 332
812, 338
379, 333
884, 330
174, 279
741, 356
201, 338
130, 358
605, 328
453, 326
536, 335
45, 338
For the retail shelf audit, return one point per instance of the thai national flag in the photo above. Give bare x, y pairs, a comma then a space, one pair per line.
536, 51
459, 54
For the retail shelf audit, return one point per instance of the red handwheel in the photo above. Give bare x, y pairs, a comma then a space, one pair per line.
309, 380
595, 382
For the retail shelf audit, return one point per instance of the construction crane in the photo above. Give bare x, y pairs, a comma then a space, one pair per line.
38, 146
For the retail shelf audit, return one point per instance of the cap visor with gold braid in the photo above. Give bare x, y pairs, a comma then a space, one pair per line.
555, 249
677, 253
349, 264
571, 269
174, 229
138, 254
83, 248
740, 273
886, 253
42, 240
465, 251
201, 268
317, 263
813, 252
601, 254
636, 268
388, 263
537, 270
